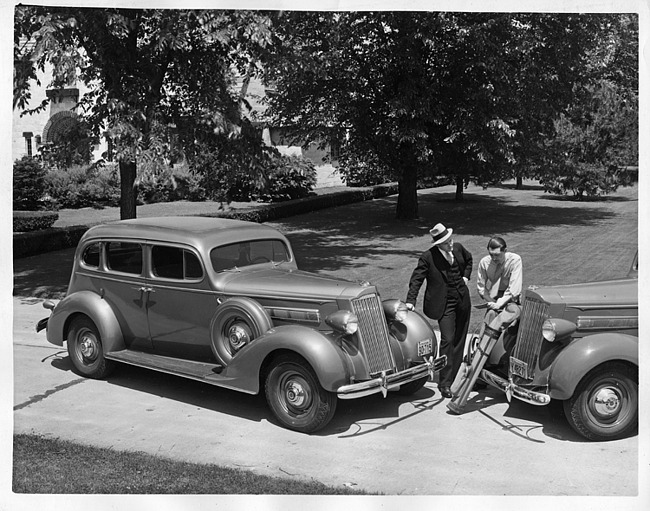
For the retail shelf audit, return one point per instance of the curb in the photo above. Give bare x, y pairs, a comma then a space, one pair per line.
57, 238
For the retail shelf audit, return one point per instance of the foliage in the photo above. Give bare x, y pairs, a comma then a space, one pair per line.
595, 140
84, 186
172, 184
27, 221
470, 95
363, 171
72, 147
28, 184
291, 177
147, 69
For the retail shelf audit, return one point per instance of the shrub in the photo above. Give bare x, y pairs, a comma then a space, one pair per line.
85, 186
290, 178
357, 171
171, 184
26, 221
28, 184
585, 181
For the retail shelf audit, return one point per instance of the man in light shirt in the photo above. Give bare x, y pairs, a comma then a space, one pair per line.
500, 276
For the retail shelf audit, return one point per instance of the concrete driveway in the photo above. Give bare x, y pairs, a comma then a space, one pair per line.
397, 446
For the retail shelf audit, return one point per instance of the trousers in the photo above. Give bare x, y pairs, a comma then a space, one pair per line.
453, 330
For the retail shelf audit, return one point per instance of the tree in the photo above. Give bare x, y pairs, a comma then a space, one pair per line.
469, 95
147, 70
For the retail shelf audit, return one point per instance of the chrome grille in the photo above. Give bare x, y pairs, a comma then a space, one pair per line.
373, 333
529, 338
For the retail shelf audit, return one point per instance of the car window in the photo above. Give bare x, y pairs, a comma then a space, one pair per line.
175, 263
124, 257
90, 256
239, 255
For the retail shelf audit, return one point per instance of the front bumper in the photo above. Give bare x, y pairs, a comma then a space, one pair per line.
387, 382
513, 390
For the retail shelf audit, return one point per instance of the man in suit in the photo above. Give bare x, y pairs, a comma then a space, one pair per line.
446, 267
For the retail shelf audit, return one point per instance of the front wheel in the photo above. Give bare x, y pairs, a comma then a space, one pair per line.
605, 405
85, 349
296, 398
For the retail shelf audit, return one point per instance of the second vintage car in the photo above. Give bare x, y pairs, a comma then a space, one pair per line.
578, 344
223, 302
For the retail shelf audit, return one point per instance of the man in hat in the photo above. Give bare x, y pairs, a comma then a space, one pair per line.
446, 267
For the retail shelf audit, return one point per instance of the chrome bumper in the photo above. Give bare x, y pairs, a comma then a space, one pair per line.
513, 390
386, 382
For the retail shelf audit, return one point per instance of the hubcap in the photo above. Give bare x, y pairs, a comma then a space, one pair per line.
238, 336
88, 347
607, 402
296, 394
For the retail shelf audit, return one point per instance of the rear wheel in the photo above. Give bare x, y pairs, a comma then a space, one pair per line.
605, 405
296, 397
85, 349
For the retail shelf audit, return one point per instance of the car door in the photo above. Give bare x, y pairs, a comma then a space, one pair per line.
180, 303
123, 285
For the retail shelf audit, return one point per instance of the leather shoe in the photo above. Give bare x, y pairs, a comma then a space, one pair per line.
445, 391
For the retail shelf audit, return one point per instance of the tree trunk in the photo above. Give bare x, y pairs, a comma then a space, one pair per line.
128, 191
520, 183
407, 200
460, 186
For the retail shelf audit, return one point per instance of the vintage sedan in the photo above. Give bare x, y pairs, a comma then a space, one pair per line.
578, 344
223, 302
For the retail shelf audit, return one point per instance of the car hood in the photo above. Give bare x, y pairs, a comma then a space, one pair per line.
613, 292
279, 283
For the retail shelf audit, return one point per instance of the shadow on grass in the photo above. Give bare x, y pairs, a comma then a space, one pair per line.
349, 236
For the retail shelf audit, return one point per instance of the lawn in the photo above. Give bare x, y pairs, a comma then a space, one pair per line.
43, 465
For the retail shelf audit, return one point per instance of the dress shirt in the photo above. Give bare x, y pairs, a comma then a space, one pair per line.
447, 255
494, 279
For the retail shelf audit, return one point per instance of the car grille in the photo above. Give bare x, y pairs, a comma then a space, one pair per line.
373, 333
529, 338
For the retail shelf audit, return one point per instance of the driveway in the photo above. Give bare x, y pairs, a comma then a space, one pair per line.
396, 446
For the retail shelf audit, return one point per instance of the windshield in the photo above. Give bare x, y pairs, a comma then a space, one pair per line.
247, 253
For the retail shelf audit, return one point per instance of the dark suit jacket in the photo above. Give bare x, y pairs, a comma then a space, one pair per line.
433, 267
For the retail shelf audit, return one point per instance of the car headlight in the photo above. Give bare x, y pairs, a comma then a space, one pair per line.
343, 321
395, 310
557, 328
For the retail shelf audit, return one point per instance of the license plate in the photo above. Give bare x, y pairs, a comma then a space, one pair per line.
425, 347
518, 367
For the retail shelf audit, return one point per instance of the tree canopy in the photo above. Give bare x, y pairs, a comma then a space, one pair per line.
470, 95
146, 69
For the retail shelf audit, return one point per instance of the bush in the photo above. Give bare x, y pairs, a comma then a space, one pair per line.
85, 186
171, 184
585, 181
366, 171
26, 221
291, 178
28, 184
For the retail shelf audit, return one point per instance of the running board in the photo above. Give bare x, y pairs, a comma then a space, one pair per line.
201, 371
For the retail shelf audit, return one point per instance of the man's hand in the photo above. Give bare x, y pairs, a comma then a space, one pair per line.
492, 306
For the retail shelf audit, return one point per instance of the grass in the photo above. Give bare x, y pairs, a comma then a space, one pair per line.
53, 466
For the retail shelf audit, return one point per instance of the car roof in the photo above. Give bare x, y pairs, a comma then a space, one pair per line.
193, 230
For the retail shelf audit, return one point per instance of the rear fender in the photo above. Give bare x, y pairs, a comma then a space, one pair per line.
96, 308
322, 352
585, 353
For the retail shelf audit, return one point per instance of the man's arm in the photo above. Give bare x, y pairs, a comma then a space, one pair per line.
417, 278
469, 262
481, 278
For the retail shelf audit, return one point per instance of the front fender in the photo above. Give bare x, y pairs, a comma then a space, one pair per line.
413, 329
96, 308
327, 359
585, 353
